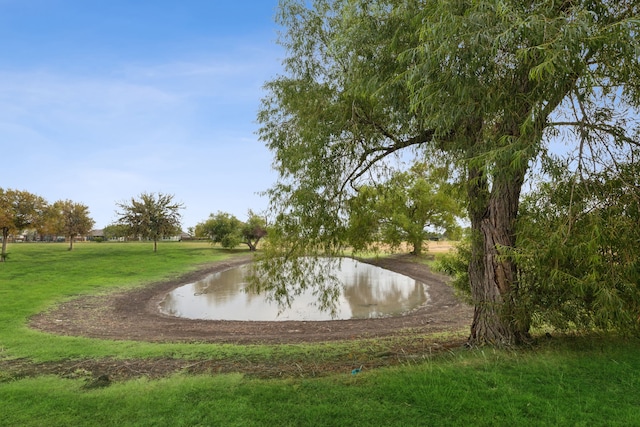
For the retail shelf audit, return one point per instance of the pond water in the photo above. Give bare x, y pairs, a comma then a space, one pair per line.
367, 292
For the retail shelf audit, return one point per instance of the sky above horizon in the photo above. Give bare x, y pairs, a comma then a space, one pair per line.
101, 101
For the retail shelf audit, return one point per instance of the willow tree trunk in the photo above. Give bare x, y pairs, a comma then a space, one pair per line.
492, 275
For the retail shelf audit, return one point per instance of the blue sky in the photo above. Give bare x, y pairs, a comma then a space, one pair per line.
103, 100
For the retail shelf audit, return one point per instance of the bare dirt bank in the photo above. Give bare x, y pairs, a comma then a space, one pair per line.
133, 315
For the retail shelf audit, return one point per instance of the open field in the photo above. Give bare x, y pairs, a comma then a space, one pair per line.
48, 379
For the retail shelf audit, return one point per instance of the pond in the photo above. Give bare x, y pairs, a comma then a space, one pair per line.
367, 291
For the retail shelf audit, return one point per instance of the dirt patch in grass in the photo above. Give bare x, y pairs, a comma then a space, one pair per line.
134, 315
103, 372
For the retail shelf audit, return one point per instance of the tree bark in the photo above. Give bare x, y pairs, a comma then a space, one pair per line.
5, 237
253, 246
417, 247
492, 275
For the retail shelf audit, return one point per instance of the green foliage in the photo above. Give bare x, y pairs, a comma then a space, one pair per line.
151, 216
455, 264
253, 230
69, 219
18, 211
364, 219
229, 231
115, 231
222, 228
407, 207
579, 249
485, 83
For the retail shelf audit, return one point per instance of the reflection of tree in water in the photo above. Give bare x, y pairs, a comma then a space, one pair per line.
231, 285
169, 305
283, 280
222, 287
368, 290
374, 292
318, 290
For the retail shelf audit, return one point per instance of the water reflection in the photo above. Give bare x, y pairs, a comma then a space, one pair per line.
367, 292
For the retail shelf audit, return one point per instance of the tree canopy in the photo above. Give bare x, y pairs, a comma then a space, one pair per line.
489, 84
70, 219
229, 231
18, 210
151, 216
408, 207
578, 248
115, 231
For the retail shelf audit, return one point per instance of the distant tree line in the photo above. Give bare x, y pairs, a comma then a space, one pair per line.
151, 216
392, 212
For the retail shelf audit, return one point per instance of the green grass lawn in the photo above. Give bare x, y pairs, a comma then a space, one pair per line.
583, 381
37, 276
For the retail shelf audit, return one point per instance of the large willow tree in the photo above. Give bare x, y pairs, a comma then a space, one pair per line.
487, 83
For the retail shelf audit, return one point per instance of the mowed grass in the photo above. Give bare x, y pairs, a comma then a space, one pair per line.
38, 276
573, 384
573, 381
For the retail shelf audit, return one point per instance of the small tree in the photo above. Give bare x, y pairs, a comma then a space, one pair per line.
222, 228
229, 231
71, 219
403, 208
253, 230
49, 225
151, 216
18, 210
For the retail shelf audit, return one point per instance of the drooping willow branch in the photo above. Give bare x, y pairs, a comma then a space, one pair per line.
614, 131
366, 162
